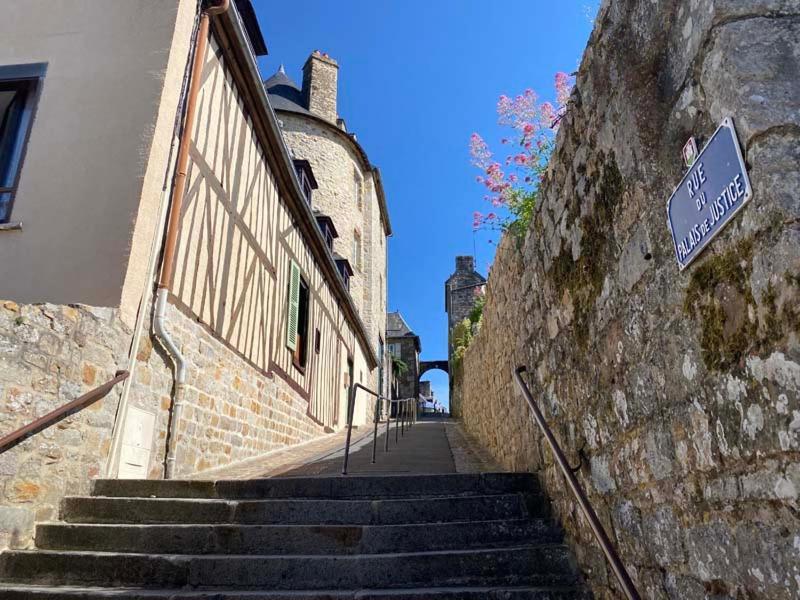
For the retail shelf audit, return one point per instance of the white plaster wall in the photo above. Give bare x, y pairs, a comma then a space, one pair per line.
86, 160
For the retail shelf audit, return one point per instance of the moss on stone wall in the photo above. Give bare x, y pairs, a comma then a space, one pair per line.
583, 279
720, 299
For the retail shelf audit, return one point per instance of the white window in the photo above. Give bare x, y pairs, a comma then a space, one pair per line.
359, 185
357, 249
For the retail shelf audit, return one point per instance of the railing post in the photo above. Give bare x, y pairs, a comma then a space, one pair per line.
388, 421
351, 396
397, 424
599, 533
375, 428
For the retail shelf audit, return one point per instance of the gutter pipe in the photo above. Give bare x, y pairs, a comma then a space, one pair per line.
160, 328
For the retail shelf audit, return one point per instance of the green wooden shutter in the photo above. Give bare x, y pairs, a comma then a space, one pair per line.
294, 306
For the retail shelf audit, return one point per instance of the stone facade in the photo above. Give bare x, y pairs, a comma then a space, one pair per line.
681, 390
231, 410
459, 292
405, 345
50, 355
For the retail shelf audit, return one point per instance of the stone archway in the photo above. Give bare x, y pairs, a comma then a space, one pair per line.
427, 365
434, 365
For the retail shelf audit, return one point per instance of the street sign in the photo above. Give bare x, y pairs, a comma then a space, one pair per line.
714, 189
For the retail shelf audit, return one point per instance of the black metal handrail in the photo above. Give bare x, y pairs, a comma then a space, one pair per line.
597, 528
405, 420
23, 433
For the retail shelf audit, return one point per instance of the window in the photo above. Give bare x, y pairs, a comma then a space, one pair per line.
329, 232
344, 269
359, 184
305, 176
394, 350
357, 249
297, 321
306, 185
317, 341
19, 87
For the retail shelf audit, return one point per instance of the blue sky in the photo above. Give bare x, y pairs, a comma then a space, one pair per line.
416, 79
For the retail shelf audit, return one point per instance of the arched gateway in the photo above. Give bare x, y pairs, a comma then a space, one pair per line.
427, 365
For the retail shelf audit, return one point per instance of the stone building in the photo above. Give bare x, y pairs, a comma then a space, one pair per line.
350, 192
459, 294
405, 345
248, 338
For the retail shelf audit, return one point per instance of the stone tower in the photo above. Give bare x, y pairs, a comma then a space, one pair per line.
349, 193
459, 294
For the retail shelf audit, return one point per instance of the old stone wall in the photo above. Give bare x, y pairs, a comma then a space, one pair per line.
680, 389
232, 411
50, 355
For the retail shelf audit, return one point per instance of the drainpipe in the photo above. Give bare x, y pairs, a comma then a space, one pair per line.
160, 327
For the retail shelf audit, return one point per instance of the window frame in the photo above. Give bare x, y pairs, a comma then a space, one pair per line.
357, 250
30, 76
300, 355
359, 183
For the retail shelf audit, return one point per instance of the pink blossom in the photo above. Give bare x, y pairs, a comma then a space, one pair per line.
564, 85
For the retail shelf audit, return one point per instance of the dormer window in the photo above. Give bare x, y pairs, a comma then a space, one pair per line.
329, 232
306, 178
345, 270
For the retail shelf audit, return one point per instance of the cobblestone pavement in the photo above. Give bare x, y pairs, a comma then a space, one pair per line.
432, 445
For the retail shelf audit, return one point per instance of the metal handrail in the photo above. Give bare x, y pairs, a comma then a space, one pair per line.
351, 402
20, 435
599, 533
404, 415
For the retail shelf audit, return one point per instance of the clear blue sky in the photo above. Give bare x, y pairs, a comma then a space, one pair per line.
416, 79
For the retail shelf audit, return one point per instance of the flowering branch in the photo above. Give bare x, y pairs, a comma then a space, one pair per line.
512, 185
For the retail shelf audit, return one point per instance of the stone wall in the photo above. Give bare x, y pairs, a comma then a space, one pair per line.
50, 355
680, 389
232, 411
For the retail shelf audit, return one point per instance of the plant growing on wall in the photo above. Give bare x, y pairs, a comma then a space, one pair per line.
466, 330
399, 367
512, 184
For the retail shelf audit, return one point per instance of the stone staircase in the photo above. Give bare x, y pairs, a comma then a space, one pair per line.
447, 537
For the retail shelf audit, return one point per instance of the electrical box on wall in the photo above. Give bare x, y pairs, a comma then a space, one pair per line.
137, 442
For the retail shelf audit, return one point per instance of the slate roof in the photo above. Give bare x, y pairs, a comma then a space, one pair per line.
284, 94
250, 21
396, 326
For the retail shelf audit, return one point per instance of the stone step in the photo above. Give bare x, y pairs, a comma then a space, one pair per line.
531, 565
381, 486
442, 593
293, 539
81, 509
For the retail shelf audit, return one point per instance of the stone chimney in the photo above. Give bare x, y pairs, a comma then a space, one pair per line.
465, 264
320, 74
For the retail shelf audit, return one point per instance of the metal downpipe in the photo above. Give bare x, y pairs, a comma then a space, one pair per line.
160, 328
